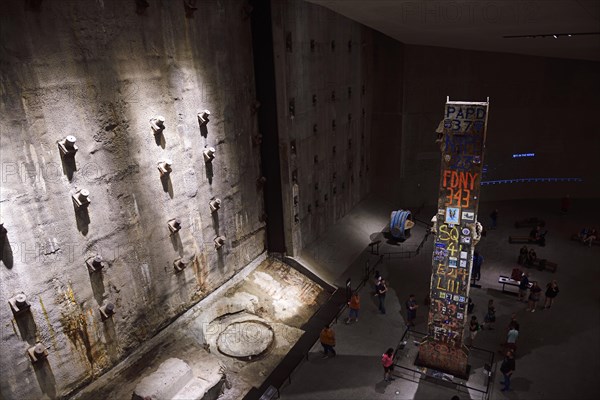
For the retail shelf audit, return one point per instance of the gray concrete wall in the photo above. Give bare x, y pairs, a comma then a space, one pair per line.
332, 164
99, 71
540, 105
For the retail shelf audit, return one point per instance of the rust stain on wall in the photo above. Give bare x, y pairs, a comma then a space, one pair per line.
50, 328
75, 325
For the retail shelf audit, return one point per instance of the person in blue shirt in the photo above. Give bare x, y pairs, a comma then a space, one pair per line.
477, 262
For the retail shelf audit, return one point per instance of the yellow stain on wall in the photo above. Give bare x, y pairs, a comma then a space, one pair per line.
71, 294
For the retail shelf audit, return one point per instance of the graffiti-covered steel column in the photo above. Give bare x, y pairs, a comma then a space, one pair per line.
457, 232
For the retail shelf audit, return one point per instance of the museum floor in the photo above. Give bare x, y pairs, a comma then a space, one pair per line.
558, 350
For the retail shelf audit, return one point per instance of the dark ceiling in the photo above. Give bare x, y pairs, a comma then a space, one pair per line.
481, 24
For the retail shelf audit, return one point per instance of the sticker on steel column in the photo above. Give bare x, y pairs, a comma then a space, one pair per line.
440, 254
442, 295
463, 255
465, 231
440, 245
468, 215
459, 315
463, 263
455, 297
452, 262
453, 215
461, 299
465, 239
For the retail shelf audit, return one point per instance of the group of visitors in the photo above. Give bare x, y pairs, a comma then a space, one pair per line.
588, 235
538, 236
488, 321
527, 256
535, 293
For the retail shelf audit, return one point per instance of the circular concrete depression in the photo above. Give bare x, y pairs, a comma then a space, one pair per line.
245, 340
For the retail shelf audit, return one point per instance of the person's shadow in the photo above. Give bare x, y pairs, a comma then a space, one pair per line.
381, 386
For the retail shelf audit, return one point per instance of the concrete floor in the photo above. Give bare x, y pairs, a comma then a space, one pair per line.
558, 350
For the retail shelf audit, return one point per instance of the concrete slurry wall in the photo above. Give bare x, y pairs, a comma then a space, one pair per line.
538, 105
324, 140
99, 71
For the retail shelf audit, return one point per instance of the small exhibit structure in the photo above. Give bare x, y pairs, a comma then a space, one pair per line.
400, 224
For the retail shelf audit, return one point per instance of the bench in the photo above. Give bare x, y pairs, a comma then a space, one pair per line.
526, 239
530, 223
506, 280
578, 238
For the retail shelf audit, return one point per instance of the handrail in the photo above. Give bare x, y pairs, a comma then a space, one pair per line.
410, 253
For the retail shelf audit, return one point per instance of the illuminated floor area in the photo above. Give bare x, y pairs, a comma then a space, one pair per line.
558, 353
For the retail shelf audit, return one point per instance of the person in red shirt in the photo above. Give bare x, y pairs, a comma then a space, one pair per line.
354, 306
327, 338
387, 359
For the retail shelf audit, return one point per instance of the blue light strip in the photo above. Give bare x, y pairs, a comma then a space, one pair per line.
530, 180
523, 155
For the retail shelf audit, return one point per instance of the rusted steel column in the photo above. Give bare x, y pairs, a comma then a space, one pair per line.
457, 231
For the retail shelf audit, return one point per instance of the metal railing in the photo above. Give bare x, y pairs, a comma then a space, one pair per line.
484, 390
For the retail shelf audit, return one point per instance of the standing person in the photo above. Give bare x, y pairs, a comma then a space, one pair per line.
477, 262
534, 297
378, 279
411, 310
327, 337
348, 289
511, 337
523, 286
354, 306
507, 368
494, 218
387, 359
551, 293
473, 328
490, 316
531, 257
381, 290
523, 255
